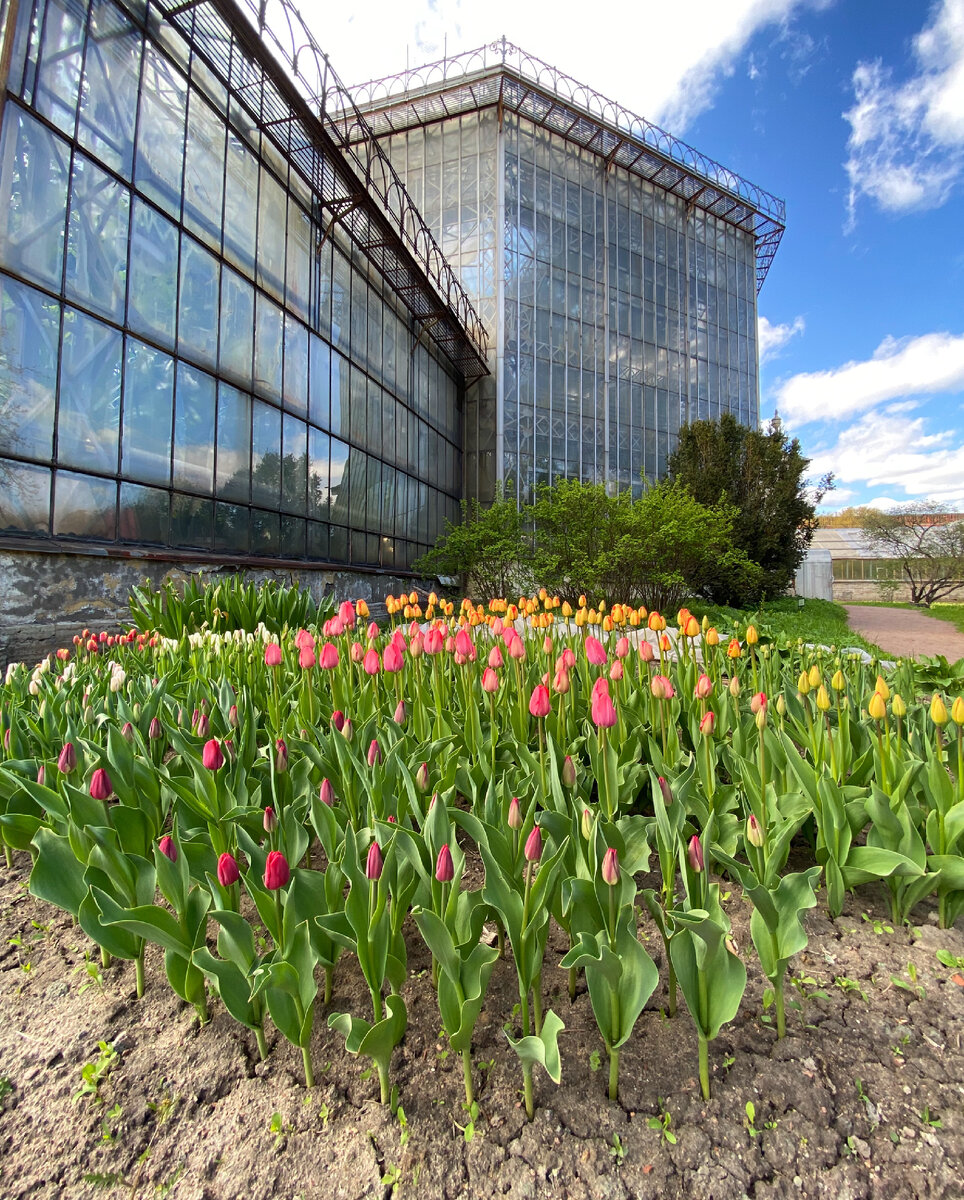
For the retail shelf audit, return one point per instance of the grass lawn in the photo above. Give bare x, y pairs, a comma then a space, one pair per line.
819, 621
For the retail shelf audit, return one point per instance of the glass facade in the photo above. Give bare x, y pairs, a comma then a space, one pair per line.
618, 310
193, 355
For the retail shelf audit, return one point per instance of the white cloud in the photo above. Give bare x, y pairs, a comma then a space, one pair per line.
772, 338
906, 141
925, 365
893, 451
685, 48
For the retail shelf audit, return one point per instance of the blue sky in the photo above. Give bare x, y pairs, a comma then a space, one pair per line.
850, 110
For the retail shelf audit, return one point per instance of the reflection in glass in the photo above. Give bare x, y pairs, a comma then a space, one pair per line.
33, 222
108, 98
265, 533
317, 540
299, 259
90, 394
61, 57
24, 498
152, 307
198, 325
318, 473
203, 170
272, 208
148, 400
191, 522
296, 366
194, 430
144, 514
231, 528
160, 133
269, 334
237, 326
265, 454
84, 506
293, 537
240, 204
294, 465
338, 485
340, 408
320, 377
28, 370
234, 443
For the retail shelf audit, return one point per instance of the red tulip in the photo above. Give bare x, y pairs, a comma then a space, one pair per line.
695, 852
444, 869
373, 867
211, 755
167, 847
533, 847
276, 871
68, 759
100, 784
228, 872
338, 719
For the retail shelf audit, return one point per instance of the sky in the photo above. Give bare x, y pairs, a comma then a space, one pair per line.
852, 111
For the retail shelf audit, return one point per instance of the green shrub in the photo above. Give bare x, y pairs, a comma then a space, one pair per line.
225, 604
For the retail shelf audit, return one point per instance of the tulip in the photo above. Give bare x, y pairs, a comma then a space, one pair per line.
270, 820
490, 681
127, 731
568, 772
661, 688
533, 846
938, 710
752, 637
603, 711
67, 760
761, 719
610, 867
373, 867
347, 730
372, 663
306, 658
203, 726
444, 868
329, 656
667, 792
823, 699
568, 658
463, 644
539, 705
734, 687
803, 684
616, 671
338, 719
560, 682
878, 709
346, 614
691, 628
516, 649
228, 872
495, 659
754, 834
281, 756
622, 647
712, 636
758, 703
957, 711
392, 659
326, 793
733, 649
211, 755
361, 608
898, 707
595, 651
646, 652
708, 723
41, 775
881, 686
586, 824
272, 655
100, 784
276, 871
374, 753
400, 715
695, 853
372, 632
814, 676
357, 652
421, 777
514, 819
837, 681
167, 847
704, 687
782, 705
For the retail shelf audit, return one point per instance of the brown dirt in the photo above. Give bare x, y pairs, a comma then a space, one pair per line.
845, 1104
905, 632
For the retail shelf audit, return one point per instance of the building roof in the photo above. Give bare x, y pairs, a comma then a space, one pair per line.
501, 75
287, 82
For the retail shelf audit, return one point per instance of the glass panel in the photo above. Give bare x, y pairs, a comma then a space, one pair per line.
234, 443
269, 333
198, 325
84, 506
265, 455
144, 514
272, 209
338, 544
108, 98
237, 326
33, 222
296, 366
97, 239
194, 430
191, 522
265, 533
152, 302
340, 302
24, 498
29, 337
299, 259
61, 58
318, 476
160, 135
357, 479
293, 537
359, 408
231, 528
90, 394
240, 204
204, 170
340, 408
148, 401
317, 540
318, 401
294, 465
338, 483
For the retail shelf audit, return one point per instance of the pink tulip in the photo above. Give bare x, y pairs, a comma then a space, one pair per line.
661, 688
304, 638
610, 867
495, 658
463, 644
372, 632
704, 687
514, 818
400, 715
372, 663
533, 846
392, 659
329, 656
444, 867
622, 648
758, 703
616, 671
100, 784
568, 658
167, 847
603, 712
595, 651
490, 681
269, 820
228, 872
695, 852
646, 652
357, 652
346, 614
68, 759
708, 723
434, 642
326, 793
211, 755
373, 867
539, 705
374, 752
516, 648
306, 658
272, 655
560, 682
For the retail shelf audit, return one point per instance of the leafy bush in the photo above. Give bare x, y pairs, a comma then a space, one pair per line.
228, 603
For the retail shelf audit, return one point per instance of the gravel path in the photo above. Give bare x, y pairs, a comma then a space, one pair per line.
905, 631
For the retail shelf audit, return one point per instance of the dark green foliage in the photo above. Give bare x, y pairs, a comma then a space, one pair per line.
225, 604
486, 550
761, 474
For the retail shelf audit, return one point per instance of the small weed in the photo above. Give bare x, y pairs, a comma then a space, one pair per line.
107, 1133
468, 1129
405, 1133
595, 1062
93, 1073
878, 926
485, 1064
662, 1123
750, 1109
954, 961
618, 1150
926, 1118
849, 985
915, 988
280, 1129
392, 1177
324, 1114
6, 1087
91, 968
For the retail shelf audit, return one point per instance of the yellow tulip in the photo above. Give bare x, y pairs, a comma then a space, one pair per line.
957, 711
712, 636
567, 609
803, 684
752, 637
938, 710
898, 707
837, 682
881, 686
814, 676
876, 707
823, 699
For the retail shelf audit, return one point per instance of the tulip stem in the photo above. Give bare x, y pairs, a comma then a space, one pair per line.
8, 855
309, 1072
139, 974
104, 958
262, 1044
573, 980
467, 1074
537, 1004
704, 1067
781, 1011
527, 1090
614, 1075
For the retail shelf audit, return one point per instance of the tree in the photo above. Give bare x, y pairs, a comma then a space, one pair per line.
760, 473
928, 546
485, 550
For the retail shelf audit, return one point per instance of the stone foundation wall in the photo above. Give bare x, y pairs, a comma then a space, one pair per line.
854, 591
47, 598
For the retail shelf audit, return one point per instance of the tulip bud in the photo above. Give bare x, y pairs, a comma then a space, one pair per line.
211, 756
348, 730
881, 686
560, 683
803, 684
752, 637
400, 715
272, 655
938, 710
616, 671
490, 681
704, 687
67, 760
876, 707
758, 703
734, 687
754, 834
228, 872
568, 772
41, 775
539, 701
761, 719
514, 819
167, 847
444, 868
898, 707
270, 820
586, 824
646, 652
957, 711
281, 756
610, 867
100, 784
837, 681
814, 676
533, 846
338, 719
695, 853
326, 793
823, 699
708, 723
276, 871
374, 752
155, 731
781, 705
733, 649
373, 867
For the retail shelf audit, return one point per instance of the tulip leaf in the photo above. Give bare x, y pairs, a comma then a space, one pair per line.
57, 876
542, 1049
231, 984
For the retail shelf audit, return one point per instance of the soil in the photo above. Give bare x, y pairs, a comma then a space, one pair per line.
906, 632
863, 1098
